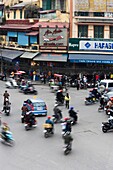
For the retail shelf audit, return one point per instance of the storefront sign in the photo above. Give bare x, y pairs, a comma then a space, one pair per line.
90, 45
53, 38
96, 45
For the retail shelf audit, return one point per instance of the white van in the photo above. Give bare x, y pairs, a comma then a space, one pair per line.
107, 83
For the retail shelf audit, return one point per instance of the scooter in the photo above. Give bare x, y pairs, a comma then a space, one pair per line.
30, 91
29, 126
67, 148
9, 140
48, 130
106, 126
7, 110
11, 83
90, 101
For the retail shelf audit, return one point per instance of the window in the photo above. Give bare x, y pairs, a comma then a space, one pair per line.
15, 14
81, 13
13, 39
111, 32
98, 31
20, 13
82, 31
54, 4
98, 14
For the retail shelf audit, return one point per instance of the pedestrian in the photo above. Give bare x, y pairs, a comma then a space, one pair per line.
78, 84
67, 99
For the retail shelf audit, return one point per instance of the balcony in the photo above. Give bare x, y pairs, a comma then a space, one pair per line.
87, 19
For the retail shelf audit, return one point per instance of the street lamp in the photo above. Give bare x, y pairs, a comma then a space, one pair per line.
1, 61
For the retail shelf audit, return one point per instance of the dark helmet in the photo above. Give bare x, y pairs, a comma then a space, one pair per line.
71, 108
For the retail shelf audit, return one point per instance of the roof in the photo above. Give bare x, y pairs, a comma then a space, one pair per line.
50, 57
29, 55
10, 55
51, 24
33, 33
16, 26
91, 58
21, 5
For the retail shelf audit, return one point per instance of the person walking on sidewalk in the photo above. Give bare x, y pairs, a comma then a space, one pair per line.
67, 99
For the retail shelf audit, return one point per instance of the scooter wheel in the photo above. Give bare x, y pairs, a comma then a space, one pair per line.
22, 120
104, 129
66, 152
26, 128
46, 135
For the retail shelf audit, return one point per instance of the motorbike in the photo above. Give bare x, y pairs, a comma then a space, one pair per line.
101, 109
106, 126
48, 130
30, 91
56, 119
29, 125
11, 83
90, 101
7, 110
67, 148
9, 140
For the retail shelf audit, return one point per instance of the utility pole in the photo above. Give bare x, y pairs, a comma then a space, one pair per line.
71, 18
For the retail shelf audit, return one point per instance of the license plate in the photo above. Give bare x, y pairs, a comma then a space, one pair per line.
39, 108
45, 131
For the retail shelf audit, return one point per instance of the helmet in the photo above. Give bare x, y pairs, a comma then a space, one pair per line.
102, 96
49, 117
71, 108
4, 123
66, 118
24, 104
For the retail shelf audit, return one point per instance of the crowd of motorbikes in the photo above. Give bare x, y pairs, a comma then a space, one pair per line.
104, 106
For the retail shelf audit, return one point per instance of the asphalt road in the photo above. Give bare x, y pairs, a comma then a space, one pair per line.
92, 149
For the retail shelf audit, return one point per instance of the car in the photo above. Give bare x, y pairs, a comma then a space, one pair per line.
107, 96
107, 83
37, 106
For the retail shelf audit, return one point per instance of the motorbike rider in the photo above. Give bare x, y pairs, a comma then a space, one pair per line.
24, 109
6, 96
102, 102
96, 93
49, 121
72, 113
6, 104
30, 118
60, 96
5, 128
68, 138
67, 125
57, 112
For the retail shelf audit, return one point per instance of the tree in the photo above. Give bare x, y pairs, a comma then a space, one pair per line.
31, 11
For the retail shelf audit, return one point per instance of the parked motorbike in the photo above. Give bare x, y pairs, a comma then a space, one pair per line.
48, 130
9, 140
67, 148
106, 126
29, 125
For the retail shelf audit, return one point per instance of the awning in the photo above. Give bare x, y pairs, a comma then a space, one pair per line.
33, 33
51, 57
29, 55
9, 55
91, 58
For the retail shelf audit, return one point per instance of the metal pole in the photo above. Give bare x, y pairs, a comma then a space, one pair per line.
71, 17
1, 62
